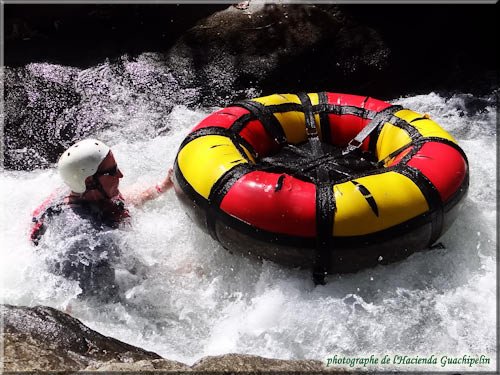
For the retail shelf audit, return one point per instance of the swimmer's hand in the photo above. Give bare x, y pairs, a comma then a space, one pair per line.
138, 198
167, 183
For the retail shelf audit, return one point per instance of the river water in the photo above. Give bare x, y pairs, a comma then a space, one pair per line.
192, 298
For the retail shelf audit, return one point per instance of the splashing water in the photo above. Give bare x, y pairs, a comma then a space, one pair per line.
194, 299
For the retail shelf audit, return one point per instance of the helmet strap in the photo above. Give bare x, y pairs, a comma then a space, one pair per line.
96, 185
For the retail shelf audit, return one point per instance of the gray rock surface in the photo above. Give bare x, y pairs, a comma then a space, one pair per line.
252, 363
163, 365
229, 55
45, 339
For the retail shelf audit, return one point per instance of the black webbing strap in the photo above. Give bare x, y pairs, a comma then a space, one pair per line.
96, 184
381, 163
219, 191
324, 197
325, 210
266, 117
312, 131
235, 137
431, 195
324, 120
379, 119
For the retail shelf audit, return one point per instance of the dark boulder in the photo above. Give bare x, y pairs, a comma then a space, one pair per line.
43, 338
275, 48
83, 35
215, 54
35, 102
254, 364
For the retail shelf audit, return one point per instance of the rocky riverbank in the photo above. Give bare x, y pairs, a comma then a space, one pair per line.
42, 338
65, 61
386, 49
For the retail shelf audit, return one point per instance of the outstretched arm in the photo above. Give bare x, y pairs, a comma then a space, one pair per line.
138, 198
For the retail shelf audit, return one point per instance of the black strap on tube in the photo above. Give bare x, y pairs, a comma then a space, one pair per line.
379, 119
266, 117
324, 198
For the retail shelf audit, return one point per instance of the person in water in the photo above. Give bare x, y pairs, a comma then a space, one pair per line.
86, 216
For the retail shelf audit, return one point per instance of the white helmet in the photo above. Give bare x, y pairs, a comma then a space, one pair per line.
81, 161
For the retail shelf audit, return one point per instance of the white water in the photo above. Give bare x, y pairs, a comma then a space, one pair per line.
196, 299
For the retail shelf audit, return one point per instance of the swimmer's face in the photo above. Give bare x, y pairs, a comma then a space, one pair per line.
109, 175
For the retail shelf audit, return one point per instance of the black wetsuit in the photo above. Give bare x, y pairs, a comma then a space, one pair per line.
81, 243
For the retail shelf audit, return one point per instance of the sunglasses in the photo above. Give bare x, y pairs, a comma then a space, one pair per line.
113, 171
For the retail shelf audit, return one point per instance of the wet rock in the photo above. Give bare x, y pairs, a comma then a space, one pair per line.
275, 47
432, 49
84, 35
140, 366
146, 59
252, 363
343, 48
45, 339
379, 50
49, 107
36, 97
227, 363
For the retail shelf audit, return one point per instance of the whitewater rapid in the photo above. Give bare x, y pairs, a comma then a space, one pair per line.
194, 299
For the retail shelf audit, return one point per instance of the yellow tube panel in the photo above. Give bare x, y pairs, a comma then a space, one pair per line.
277, 99
390, 139
426, 127
248, 155
397, 199
204, 160
293, 122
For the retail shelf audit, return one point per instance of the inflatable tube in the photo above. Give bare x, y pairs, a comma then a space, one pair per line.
378, 216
